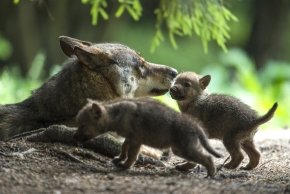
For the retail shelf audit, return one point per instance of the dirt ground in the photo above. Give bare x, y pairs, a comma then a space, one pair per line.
56, 168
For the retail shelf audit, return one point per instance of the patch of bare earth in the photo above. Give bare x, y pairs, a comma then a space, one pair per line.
57, 168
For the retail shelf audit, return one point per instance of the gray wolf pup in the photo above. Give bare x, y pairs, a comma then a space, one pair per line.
98, 71
146, 121
223, 117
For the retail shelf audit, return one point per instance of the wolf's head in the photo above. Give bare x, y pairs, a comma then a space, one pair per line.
189, 86
91, 121
127, 72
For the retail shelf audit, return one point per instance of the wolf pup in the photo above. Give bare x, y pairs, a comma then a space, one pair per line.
223, 117
98, 71
146, 121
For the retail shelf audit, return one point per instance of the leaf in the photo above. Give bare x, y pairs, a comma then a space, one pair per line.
94, 14
120, 11
159, 35
104, 14
104, 3
132, 13
172, 40
85, 1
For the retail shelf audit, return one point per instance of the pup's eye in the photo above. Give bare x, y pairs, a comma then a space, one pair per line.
187, 84
142, 66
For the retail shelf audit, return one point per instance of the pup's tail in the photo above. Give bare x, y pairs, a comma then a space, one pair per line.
268, 115
205, 143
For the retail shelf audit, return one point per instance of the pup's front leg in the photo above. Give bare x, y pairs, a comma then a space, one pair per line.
123, 154
133, 151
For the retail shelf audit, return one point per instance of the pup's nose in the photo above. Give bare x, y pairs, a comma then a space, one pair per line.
173, 72
173, 89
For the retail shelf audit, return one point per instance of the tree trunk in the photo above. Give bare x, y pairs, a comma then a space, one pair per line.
267, 39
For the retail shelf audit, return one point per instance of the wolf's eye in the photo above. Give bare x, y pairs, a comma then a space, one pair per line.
142, 66
186, 84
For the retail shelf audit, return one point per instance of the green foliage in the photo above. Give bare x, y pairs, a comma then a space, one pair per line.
236, 75
207, 18
16, 87
97, 8
5, 48
133, 7
167, 100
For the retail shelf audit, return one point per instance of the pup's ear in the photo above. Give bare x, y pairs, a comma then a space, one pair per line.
67, 45
93, 57
96, 111
204, 81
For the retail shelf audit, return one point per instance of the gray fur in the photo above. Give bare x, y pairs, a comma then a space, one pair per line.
223, 117
146, 121
98, 71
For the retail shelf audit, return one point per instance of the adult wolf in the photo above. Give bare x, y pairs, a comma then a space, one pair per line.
98, 71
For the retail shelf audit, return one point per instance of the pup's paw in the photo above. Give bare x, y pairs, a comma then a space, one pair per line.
123, 165
246, 168
230, 166
185, 166
117, 160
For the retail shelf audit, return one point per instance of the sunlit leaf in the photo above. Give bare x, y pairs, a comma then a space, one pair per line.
104, 14
132, 13
120, 11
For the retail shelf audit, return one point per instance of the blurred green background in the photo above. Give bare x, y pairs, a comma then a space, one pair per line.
255, 69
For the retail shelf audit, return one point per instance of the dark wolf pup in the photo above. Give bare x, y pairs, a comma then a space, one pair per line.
223, 117
97, 71
146, 121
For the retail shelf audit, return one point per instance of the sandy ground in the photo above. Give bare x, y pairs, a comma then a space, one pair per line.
27, 167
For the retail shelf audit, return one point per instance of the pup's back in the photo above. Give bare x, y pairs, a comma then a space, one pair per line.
223, 112
154, 124
160, 125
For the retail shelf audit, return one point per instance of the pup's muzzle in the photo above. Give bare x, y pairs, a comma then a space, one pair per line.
79, 138
175, 93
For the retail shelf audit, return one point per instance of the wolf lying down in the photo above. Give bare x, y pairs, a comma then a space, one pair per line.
222, 117
146, 121
102, 72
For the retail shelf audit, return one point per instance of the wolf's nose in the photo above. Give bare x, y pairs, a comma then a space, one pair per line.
173, 72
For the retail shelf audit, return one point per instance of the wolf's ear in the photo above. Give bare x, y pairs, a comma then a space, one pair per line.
67, 45
204, 81
96, 111
93, 57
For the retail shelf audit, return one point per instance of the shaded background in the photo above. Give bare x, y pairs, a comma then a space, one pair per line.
256, 68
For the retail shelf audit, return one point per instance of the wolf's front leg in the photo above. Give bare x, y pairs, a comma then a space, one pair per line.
133, 151
123, 154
